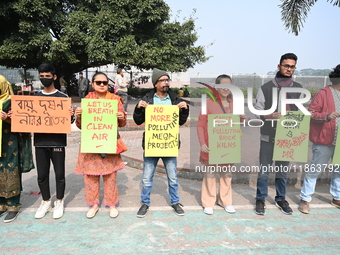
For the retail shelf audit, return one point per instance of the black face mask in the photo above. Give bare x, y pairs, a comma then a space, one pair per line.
47, 81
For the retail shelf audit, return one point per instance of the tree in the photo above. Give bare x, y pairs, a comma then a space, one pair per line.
294, 12
78, 34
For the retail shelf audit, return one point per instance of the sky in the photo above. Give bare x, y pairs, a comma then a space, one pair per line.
249, 37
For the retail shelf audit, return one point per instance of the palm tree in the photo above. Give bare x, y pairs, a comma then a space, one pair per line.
294, 13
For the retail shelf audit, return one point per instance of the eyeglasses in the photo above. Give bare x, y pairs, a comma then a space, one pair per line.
100, 82
165, 80
289, 67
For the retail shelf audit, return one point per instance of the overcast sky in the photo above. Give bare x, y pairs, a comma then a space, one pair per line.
249, 37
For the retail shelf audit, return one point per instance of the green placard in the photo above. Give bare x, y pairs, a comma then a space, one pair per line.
291, 139
336, 156
224, 139
99, 126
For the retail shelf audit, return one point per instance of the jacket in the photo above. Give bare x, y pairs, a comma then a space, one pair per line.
139, 113
322, 131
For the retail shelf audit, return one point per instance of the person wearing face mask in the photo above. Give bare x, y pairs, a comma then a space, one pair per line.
50, 147
161, 95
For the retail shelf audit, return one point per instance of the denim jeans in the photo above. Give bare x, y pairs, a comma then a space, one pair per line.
266, 159
321, 155
170, 164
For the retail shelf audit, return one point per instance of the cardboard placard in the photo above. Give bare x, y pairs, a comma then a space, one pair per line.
35, 114
161, 131
224, 139
291, 139
99, 126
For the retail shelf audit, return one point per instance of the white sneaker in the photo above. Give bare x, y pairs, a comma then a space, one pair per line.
208, 210
44, 208
58, 211
229, 209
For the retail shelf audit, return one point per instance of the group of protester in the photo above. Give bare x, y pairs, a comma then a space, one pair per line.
16, 157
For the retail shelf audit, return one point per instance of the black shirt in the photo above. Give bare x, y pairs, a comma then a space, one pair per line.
50, 140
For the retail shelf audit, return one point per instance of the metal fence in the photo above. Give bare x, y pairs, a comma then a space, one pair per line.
241, 80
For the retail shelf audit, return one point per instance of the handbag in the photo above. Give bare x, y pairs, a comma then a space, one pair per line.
121, 146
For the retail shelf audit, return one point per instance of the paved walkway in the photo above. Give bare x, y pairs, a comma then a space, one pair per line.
161, 231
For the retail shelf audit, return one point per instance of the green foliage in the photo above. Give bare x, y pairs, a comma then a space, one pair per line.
77, 34
295, 12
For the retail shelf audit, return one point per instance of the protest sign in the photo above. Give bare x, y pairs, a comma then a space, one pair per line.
224, 139
41, 114
336, 156
99, 126
161, 131
1, 131
291, 139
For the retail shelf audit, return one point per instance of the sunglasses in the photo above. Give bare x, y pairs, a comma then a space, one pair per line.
100, 82
164, 80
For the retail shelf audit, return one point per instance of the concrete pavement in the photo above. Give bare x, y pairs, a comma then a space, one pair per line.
161, 231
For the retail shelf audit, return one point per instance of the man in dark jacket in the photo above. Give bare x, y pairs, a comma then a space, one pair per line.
264, 101
161, 95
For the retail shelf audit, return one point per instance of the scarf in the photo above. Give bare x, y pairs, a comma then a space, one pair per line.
284, 81
5, 89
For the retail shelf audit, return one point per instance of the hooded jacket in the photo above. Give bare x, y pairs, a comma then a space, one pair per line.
322, 131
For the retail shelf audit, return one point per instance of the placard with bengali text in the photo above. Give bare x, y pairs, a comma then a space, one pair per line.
35, 114
292, 136
336, 156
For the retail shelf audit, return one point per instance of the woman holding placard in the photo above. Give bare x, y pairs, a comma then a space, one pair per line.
221, 105
94, 165
15, 157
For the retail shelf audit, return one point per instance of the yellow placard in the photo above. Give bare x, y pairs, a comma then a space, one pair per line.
161, 131
1, 131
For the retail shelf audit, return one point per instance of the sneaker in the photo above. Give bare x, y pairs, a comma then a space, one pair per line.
58, 210
142, 211
3, 213
259, 207
229, 209
284, 206
11, 216
178, 209
336, 203
113, 212
44, 208
304, 207
208, 210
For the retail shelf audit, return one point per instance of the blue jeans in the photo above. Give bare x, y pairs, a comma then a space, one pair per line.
266, 160
321, 155
170, 164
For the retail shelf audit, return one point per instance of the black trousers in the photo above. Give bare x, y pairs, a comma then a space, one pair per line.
44, 156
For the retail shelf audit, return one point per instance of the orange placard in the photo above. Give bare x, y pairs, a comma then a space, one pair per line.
35, 114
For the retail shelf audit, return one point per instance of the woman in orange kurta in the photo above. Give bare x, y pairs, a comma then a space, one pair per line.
93, 165
209, 195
